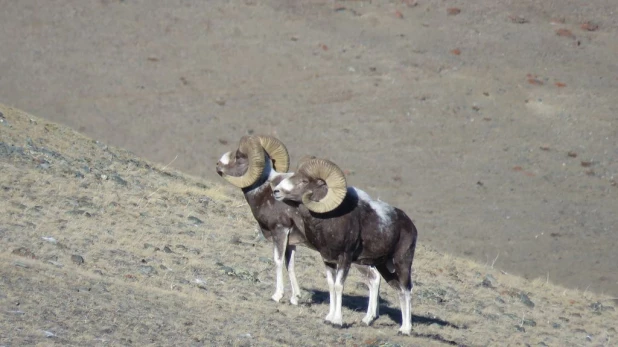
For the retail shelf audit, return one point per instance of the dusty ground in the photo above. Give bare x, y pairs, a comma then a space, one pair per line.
495, 127
101, 248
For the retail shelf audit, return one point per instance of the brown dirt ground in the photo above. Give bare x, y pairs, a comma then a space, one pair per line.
101, 248
495, 127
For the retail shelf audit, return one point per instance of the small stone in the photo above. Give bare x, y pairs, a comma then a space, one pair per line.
565, 33
23, 252
556, 325
20, 264
520, 329
166, 249
77, 259
518, 19
529, 322
116, 178
195, 220
590, 26
525, 299
490, 281
147, 270
453, 11
220, 101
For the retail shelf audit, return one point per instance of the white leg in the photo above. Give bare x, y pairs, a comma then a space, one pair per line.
330, 278
290, 253
279, 274
406, 314
372, 278
339, 280
374, 290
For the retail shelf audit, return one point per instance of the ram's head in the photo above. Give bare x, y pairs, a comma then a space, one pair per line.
317, 183
243, 166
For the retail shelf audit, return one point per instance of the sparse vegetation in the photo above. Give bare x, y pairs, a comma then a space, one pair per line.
102, 248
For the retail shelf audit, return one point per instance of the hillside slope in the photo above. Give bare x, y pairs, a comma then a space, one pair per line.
102, 248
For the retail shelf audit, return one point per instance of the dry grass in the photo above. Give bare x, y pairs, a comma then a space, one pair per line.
170, 260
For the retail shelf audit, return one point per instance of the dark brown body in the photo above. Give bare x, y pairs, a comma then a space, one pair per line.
355, 233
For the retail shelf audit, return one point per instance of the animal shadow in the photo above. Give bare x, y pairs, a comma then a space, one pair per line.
359, 303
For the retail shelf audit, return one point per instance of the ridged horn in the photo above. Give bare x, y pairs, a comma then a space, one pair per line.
251, 146
277, 152
335, 182
304, 159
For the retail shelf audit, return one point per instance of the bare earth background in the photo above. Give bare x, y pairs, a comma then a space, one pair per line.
101, 248
494, 127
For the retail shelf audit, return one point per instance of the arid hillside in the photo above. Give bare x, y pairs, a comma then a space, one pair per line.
102, 248
493, 123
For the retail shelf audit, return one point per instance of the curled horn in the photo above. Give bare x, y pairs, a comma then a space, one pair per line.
304, 159
251, 146
335, 181
277, 152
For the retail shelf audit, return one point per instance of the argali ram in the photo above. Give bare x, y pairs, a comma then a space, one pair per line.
348, 227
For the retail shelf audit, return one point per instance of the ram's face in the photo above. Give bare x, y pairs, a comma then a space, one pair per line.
234, 163
295, 187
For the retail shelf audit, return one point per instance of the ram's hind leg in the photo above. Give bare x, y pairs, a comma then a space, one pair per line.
372, 279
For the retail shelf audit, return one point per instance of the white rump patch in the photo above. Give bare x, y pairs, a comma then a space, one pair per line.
382, 209
225, 159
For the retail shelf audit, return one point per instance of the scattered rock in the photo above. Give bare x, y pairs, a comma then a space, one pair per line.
456, 51
586, 163
223, 141
20, 264
556, 325
599, 307
398, 14
77, 259
116, 178
23, 252
518, 19
166, 249
49, 239
490, 281
560, 84
195, 220
525, 299
565, 33
147, 270
453, 11
220, 101
572, 154
529, 322
589, 26
48, 334
238, 273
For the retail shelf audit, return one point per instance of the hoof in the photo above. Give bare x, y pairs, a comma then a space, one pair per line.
403, 332
294, 300
276, 297
369, 320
